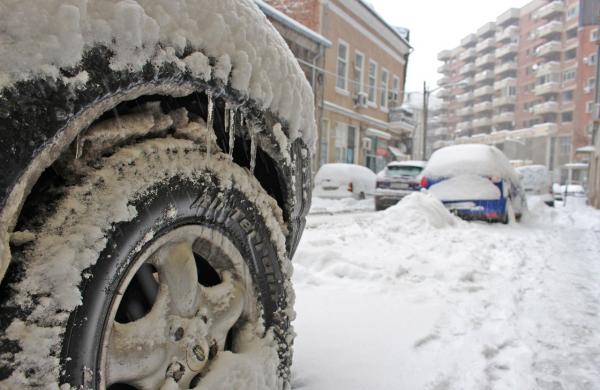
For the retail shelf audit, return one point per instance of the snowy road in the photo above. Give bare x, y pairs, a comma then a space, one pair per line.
412, 298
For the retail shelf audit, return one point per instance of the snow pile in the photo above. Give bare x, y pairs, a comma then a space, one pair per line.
474, 159
344, 205
465, 187
416, 211
39, 38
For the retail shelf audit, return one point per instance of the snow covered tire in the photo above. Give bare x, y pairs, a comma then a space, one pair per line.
67, 295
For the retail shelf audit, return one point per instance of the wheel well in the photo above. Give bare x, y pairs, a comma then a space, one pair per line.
266, 170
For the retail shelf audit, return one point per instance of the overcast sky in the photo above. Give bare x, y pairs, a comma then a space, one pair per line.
436, 25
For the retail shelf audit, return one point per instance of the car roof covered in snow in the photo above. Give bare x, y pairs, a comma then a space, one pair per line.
409, 163
470, 159
344, 171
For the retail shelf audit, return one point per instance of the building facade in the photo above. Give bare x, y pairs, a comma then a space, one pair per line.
364, 77
525, 83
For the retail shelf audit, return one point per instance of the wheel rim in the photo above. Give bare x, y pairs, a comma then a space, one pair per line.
192, 294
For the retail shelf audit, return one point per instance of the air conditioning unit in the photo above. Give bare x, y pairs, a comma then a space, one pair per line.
587, 89
360, 99
367, 143
586, 60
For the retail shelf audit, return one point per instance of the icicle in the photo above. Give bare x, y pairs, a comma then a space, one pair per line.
231, 133
209, 122
252, 131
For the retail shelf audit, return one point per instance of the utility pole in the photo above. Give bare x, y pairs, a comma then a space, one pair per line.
425, 113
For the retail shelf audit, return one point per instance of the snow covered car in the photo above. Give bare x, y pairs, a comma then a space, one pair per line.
475, 182
537, 182
395, 181
156, 180
340, 180
571, 190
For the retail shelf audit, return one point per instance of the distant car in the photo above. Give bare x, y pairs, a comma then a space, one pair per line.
475, 182
537, 182
339, 180
572, 190
395, 181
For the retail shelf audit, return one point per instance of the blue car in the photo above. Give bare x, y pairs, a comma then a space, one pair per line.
475, 182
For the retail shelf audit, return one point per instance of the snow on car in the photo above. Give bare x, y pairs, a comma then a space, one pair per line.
340, 180
475, 182
395, 181
156, 180
537, 182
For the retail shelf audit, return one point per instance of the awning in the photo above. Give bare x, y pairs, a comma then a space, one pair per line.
378, 133
396, 152
576, 165
586, 149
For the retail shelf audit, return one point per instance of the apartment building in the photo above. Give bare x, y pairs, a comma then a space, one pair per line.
525, 83
365, 72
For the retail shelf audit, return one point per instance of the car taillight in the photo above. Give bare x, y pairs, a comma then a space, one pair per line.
350, 187
424, 182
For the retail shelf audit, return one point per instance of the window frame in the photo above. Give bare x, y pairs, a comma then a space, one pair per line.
361, 81
384, 90
372, 102
344, 89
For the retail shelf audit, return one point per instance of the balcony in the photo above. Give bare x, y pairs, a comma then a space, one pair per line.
546, 108
444, 55
550, 28
463, 126
504, 101
508, 17
465, 97
504, 83
487, 29
467, 69
485, 60
503, 117
444, 68
506, 67
548, 68
481, 122
507, 50
486, 44
547, 88
443, 81
481, 107
484, 76
468, 54
548, 48
483, 91
467, 81
549, 9
465, 111
509, 34
468, 41
444, 93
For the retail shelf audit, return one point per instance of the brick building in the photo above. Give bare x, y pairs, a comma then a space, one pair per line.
524, 83
365, 72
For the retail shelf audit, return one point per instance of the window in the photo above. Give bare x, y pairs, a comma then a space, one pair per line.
573, 12
594, 35
359, 65
372, 81
570, 54
564, 146
591, 83
396, 88
569, 75
568, 96
345, 143
591, 60
567, 116
383, 91
589, 106
342, 66
572, 33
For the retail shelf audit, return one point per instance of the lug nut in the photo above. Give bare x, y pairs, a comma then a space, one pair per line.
199, 353
175, 371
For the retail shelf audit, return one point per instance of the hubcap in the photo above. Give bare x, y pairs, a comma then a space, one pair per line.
187, 293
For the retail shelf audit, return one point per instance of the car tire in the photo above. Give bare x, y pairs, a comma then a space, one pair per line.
175, 274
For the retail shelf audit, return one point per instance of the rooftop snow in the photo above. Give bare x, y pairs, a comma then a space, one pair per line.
39, 38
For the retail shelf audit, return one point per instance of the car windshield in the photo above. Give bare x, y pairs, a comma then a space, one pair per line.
403, 170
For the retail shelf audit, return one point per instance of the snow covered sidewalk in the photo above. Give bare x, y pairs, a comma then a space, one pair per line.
413, 298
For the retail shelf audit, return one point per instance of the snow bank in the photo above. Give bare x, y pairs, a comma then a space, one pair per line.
474, 159
417, 211
465, 187
332, 206
41, 37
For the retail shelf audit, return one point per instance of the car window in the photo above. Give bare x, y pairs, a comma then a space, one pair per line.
403, 170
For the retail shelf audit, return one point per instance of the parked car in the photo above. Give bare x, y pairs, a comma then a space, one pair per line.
571, 190
475, 182
340, 180
537, 182
156, 179
395, 181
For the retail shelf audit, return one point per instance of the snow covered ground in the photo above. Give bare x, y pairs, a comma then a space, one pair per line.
345, 205
413, 298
